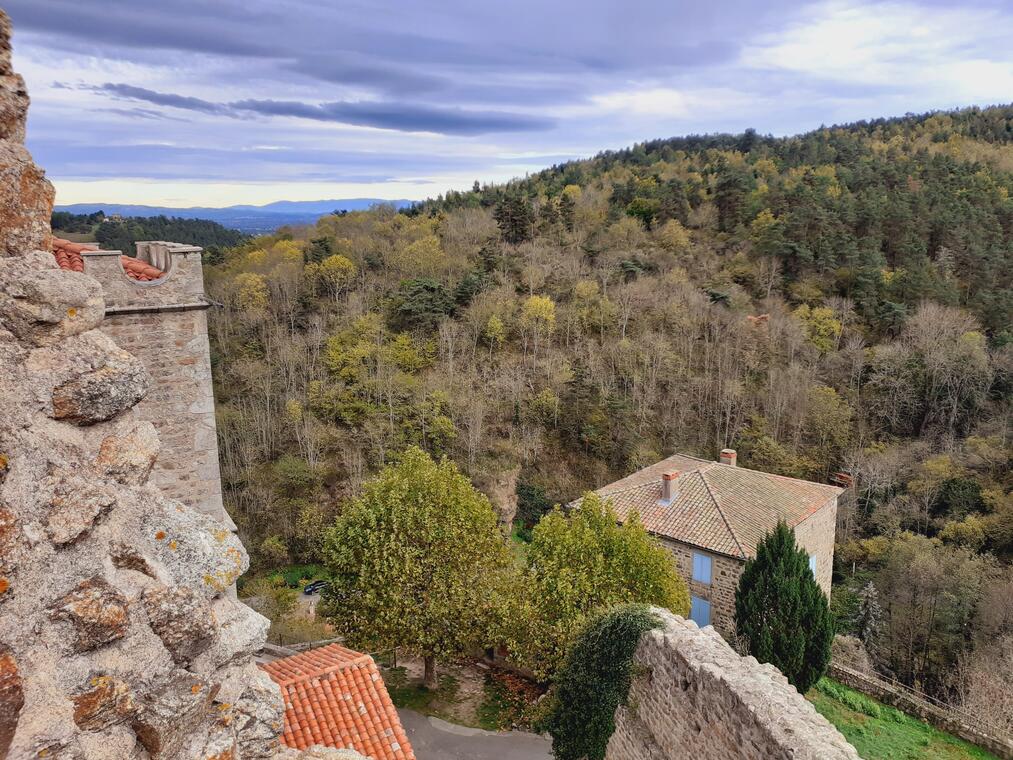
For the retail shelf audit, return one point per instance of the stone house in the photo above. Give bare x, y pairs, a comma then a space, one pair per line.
711, 516
155, 308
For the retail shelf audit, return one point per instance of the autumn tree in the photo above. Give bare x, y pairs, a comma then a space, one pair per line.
583, 562
337, 272
417, 561
781, 613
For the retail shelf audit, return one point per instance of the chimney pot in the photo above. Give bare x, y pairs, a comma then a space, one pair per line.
728, 456
668, 489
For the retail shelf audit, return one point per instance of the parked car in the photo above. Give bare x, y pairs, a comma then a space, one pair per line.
314, 587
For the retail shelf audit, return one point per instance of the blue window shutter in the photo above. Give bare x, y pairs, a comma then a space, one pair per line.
812, 564
700, 611
701, 568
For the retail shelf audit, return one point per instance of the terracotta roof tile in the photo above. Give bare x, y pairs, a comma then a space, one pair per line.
718, 507
335, 697
139, 270
68, 256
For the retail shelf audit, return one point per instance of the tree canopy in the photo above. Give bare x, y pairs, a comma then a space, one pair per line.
417, 562
583, 562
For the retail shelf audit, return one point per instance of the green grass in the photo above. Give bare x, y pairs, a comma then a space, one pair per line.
881, 732
496, 712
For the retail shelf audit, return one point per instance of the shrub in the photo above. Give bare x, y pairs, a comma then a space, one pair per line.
594, 681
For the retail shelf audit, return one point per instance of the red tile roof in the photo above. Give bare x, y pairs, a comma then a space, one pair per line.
335, 697
718, 507
140, 270
68, 256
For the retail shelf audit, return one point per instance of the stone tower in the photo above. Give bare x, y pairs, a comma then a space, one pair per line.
156, 310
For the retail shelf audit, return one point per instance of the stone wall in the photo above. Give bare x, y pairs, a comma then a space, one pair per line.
182, 286
173, 347
164, 324
725, 572
692, 696
816, 535
117, 637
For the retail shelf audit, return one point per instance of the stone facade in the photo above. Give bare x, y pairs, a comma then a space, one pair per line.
814, 534
725, 572
692, 696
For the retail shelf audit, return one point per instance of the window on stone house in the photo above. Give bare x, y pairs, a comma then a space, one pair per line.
812, 564
700, 611
701, 568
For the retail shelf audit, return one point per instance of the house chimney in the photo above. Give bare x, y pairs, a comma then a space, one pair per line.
727, 457
668, 487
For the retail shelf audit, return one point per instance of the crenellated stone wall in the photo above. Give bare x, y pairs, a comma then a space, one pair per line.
118, 639
164, 324
693, 696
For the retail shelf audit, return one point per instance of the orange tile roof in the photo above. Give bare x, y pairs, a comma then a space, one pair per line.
68, 256
140, 270
718, 507
335, 697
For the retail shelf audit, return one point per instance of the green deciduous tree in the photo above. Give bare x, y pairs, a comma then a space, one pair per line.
584, 562
781, 613
418, 562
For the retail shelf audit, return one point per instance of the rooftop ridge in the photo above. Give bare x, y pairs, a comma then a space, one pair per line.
720, 509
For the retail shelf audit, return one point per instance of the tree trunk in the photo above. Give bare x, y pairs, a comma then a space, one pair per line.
429, 679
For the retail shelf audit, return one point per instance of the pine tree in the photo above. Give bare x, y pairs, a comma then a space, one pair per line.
567, 211
515, 217
318, 250
781, 613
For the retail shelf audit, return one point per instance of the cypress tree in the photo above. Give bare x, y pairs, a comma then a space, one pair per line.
781, 613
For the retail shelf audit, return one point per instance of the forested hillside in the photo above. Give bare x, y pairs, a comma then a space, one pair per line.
834, 302
120, 234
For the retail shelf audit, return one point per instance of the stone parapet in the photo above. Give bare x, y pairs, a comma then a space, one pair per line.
693, 696
181, 288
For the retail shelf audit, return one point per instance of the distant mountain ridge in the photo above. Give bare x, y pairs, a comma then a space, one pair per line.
246, 218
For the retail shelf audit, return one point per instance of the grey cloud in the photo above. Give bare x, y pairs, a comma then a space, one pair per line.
205, 27
344, 69
402, 117
399, 48
164, 99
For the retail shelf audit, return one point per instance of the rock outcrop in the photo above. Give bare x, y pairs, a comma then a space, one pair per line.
26, 196
118, 635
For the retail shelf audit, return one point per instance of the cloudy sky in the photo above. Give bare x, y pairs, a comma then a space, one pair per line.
217, 102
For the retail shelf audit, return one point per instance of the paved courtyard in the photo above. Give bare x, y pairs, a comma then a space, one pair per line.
435, 739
